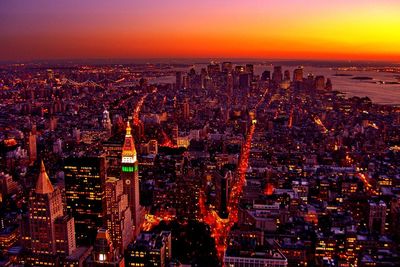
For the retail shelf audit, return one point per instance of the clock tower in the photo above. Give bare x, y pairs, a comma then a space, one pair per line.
130, 177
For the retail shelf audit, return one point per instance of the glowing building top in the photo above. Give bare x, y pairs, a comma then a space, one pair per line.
43, 184
128, 150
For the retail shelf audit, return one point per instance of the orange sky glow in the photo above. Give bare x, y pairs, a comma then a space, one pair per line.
296, 29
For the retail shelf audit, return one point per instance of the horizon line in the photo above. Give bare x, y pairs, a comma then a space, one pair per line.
169, 60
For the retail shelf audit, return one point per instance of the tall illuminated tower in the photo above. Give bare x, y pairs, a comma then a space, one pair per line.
50, 233
130, 176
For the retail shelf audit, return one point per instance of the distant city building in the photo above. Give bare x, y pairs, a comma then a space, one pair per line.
179, 80
266, 75
32, 146
185, 109
250, 69
213, 69
239, 69
328, 85
277, 75
106, 121
298, 75
244, 80
286, 75
377, 217
320, 82
227, 66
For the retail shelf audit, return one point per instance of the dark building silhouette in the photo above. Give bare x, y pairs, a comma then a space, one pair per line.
85, 193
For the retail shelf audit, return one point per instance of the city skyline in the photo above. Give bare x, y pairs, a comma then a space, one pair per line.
178, 133
340, 30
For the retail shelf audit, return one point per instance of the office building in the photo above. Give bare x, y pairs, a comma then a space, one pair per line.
85, 193
222, 190
48, 232
377, 217
150, 249
118, 214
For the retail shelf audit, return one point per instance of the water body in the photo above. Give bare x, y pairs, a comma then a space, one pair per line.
388, 94
381, 93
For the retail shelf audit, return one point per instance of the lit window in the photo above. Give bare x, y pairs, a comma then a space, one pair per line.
102, 257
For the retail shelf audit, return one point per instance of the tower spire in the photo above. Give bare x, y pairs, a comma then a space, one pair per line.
130, 176
43, 184
128, 129
128, 149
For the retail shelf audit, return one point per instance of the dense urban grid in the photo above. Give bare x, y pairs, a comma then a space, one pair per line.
115, 165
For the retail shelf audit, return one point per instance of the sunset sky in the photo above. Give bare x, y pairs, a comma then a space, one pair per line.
285, 29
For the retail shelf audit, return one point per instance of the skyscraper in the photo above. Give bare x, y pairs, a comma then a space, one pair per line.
51, 232
320, 82
286, 75
222, 189
175, 134
213, 69
118, 215
179, 80
377, 217
328, 85
229, 86
130, 177
266, 75
32, 146
298, 75
250, 69
106, 121
277, 75
85, 192
227, 66
244, 80
185, 109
